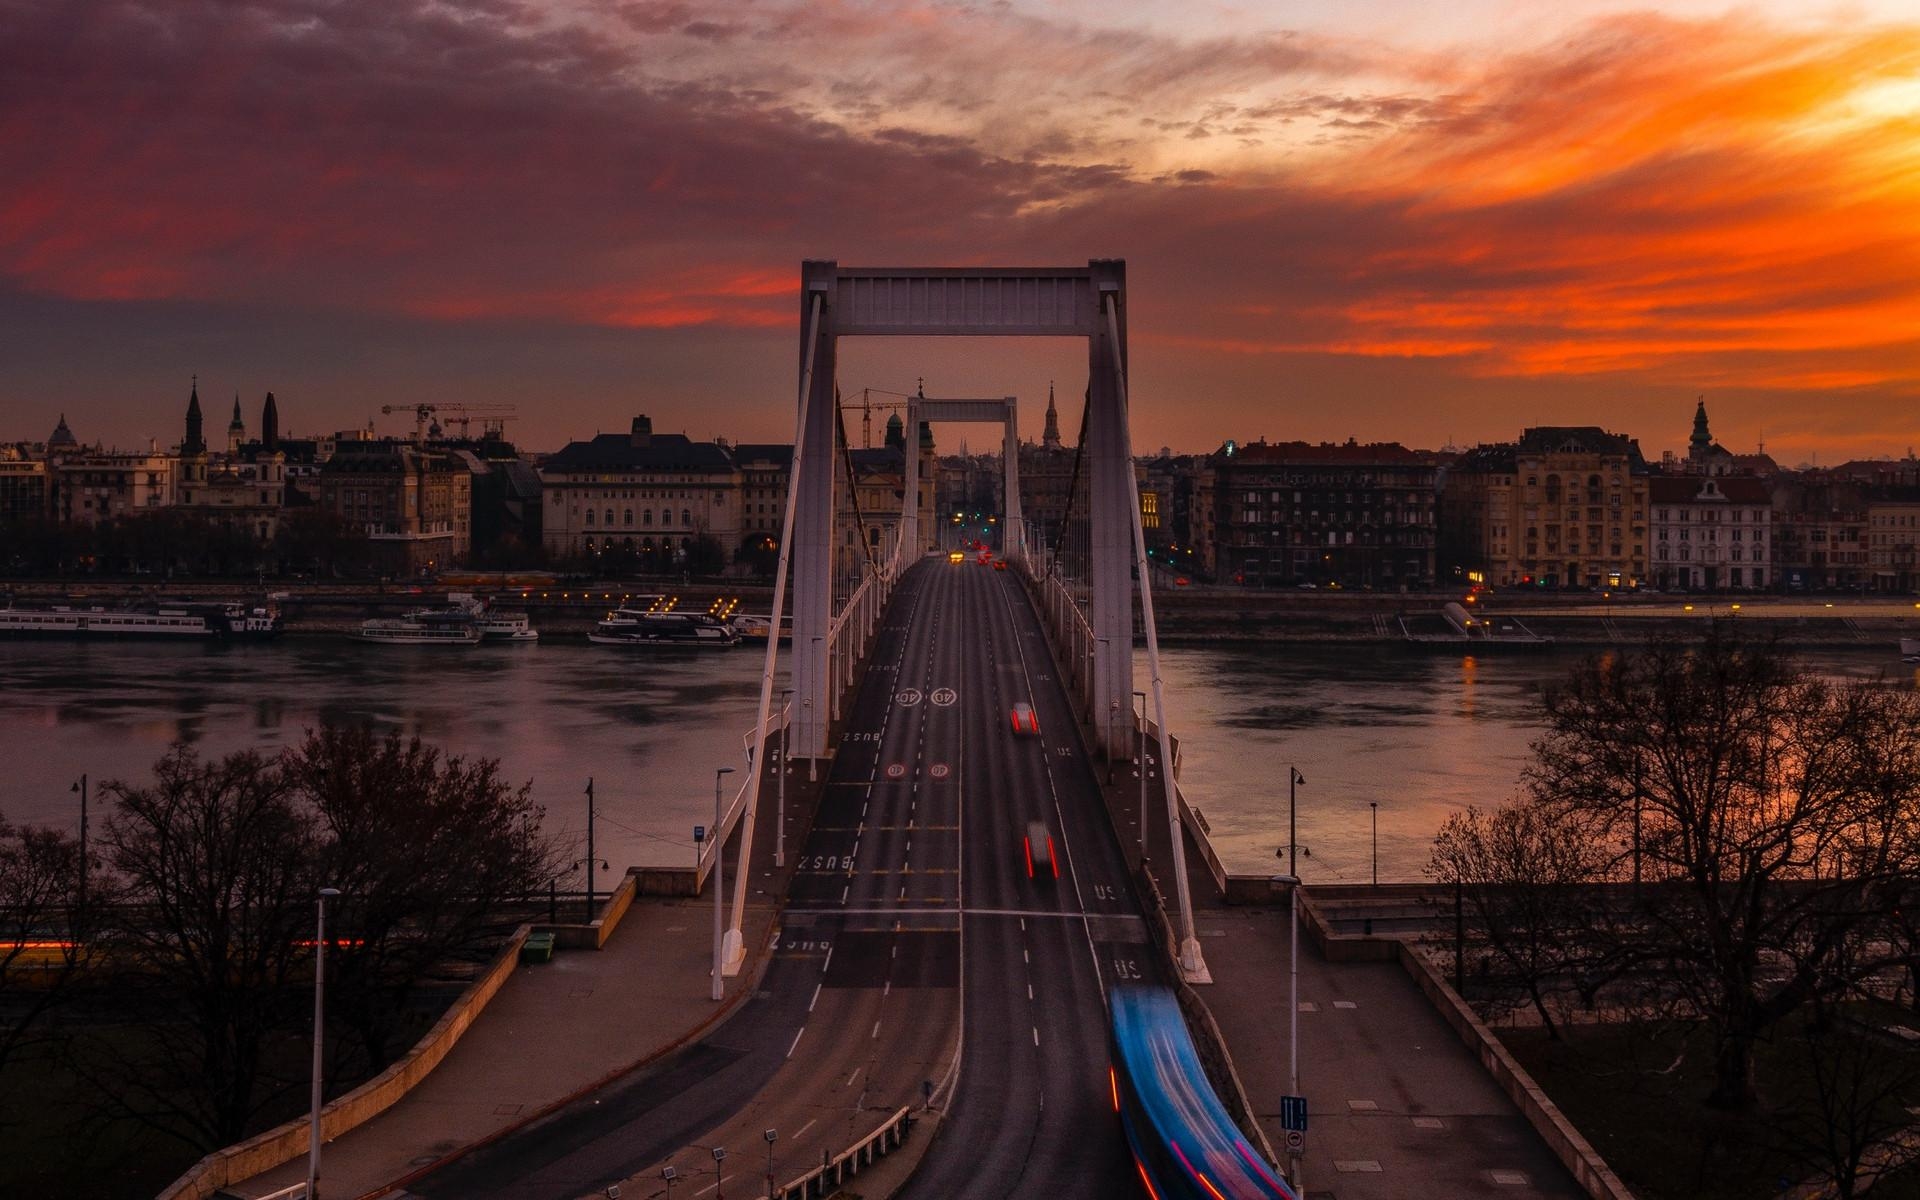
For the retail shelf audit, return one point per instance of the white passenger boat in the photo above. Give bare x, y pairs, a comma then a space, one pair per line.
1910, 649
494, 624
634, 627
165, 619
421, 628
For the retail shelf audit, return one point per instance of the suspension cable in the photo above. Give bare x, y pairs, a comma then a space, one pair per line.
1073, 486
853, 481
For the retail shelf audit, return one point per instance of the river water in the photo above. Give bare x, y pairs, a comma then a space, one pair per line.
1417, 734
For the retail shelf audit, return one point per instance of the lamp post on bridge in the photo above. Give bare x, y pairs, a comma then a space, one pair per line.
719, 879
1142, 763
780, 826
1374, 805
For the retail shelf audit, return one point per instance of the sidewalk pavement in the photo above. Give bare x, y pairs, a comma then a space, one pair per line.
557, 1029
1397, 1104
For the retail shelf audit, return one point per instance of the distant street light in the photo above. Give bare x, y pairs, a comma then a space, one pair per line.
1375, 806
319, 1034
1294, 778
719, 884
81, 787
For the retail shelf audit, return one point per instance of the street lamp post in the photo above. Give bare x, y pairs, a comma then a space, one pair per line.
719, 881
592, 862
81, 787
1375, 806
780, 826
1142, 698
319, 1033
1294, 778
808, 703
1293, 1013
772, 1136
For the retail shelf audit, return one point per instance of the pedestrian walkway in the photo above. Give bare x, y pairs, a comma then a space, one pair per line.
1397, 1104
557, 1029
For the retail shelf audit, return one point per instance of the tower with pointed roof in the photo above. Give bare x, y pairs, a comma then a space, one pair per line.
195, 441
1701, 441
270, 425
62, 437
236, 428
1050, 436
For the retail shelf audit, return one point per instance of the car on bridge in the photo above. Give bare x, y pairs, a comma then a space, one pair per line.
956, 556
999, 564
1024, 720
1038, 843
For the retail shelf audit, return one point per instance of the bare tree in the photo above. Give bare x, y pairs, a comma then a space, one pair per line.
42, 937
1852, 1116
1527, 872
426, 850
1772, 813
217, 859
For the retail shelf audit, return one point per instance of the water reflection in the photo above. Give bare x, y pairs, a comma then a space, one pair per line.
1421, 734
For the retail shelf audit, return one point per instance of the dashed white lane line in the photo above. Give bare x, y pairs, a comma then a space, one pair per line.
1026, 958
1029, 992
796, 1041
807, 1126
818, 986
875, 1035
1036, 1036
828, 960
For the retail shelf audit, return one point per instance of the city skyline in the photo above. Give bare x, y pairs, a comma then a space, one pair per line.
1382, 225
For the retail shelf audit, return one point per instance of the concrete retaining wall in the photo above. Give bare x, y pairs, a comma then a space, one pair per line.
1542, 1113
287, 1142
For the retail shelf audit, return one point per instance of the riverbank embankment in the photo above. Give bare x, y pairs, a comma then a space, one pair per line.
1192, 615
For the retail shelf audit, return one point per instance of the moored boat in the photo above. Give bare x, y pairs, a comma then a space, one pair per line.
495, 625
1910, 649
166, 619
632, 627
422, 627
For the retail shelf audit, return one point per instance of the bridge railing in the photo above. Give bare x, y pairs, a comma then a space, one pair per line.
827, 1178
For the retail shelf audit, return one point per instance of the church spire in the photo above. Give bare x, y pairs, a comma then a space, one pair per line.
1050, 437
270, 425
196, 441
1701, 441
236, 428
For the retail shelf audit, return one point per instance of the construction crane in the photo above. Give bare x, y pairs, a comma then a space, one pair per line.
867, 404
493, 417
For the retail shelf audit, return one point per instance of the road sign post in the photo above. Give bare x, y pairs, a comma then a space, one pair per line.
1293, 1113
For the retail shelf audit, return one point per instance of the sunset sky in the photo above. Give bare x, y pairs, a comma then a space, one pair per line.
1384, 219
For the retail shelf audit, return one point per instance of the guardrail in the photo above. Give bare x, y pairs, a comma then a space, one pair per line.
826, 1179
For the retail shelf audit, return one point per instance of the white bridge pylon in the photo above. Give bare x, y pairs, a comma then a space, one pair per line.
836, 302
1005, 412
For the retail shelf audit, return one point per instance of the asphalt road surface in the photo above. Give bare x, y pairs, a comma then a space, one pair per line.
1032, 1116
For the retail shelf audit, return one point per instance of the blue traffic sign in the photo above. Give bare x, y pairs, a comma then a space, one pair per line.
699, 833
1293, 1113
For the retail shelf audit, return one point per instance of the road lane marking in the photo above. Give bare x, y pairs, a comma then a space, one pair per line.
875, 1035
818, 986
796, 1041
1036, 1037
